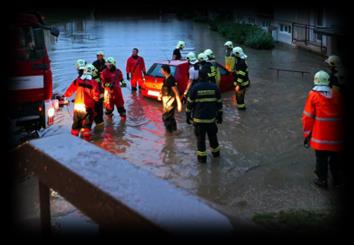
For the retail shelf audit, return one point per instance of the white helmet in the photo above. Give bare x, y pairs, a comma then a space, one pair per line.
238, 52
209, 53
321, 78
181, 44
229, 44
88, 71
80, 64
333, 60
192, 58
111, 61
100, 53
202, 57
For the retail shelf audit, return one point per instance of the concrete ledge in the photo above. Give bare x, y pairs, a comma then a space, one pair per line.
114, 193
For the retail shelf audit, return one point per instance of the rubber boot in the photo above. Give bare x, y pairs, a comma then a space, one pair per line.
86, 134
321, 183
75, 132
216, 154
202, 159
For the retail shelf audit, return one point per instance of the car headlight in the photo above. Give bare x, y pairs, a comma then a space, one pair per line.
51, 112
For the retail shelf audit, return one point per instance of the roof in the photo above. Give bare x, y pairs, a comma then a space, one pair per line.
329, 31
172, 62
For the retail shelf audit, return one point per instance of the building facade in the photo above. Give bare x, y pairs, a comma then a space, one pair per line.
313, 29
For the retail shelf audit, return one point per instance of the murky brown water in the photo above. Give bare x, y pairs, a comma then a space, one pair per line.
267, 136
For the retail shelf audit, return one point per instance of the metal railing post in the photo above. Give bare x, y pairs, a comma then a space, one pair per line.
44, 208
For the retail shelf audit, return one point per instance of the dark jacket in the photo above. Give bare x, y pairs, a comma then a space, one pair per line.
241, 73
204, 104
100, 65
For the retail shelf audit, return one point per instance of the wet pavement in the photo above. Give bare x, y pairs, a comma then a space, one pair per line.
263, 166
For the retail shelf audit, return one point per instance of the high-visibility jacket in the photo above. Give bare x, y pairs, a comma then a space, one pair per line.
323, 119
87, 92
230, 63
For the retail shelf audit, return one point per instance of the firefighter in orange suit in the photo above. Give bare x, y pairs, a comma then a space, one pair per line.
87, 94
323, 128
112, 80
135, 69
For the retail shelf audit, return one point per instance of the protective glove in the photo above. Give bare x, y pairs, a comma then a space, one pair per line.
123, 84
188, 118
128, 77
307, 142
184, 99
219, 118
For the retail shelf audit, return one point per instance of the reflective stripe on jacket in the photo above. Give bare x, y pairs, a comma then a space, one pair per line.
241, 73
204, 102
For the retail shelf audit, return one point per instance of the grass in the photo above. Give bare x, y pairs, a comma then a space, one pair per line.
296, 221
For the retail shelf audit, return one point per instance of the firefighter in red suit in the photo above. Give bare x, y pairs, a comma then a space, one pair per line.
87, 94
135, 69
111, 80
323, 128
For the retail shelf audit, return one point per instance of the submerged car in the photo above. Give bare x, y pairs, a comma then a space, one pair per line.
153, 81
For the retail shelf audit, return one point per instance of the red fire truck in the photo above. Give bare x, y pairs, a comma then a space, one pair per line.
30, 78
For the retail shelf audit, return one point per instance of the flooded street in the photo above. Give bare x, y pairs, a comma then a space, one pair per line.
263, 164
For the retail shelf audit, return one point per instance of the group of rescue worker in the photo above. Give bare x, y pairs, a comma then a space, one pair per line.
98, 86
202, 94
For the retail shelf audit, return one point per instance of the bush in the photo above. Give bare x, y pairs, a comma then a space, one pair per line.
259, 39
297, 220
250, 35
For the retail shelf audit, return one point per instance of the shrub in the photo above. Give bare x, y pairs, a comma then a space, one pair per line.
250, 35
259, 39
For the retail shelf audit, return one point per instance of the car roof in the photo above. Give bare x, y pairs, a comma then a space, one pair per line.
172, 62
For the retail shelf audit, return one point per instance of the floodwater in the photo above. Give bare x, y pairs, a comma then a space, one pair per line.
263, 165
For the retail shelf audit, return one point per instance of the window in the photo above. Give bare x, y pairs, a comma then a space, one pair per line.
285, 28
155, 70
266, 23
31, 45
